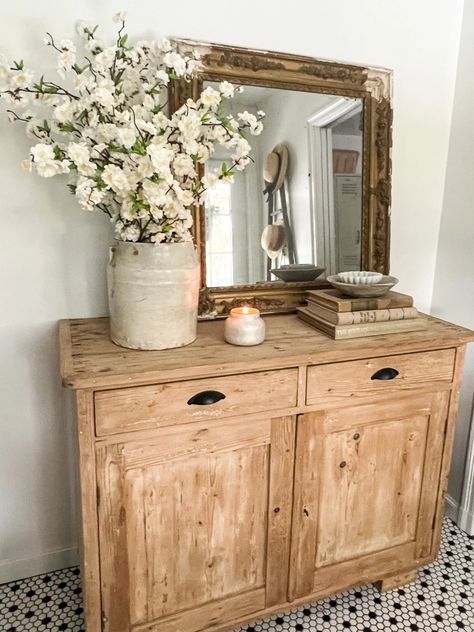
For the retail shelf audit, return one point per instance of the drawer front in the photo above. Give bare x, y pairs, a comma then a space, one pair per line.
348, 381
142, 407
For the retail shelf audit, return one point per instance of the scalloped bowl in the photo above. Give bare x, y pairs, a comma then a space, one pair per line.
360, 277
364, 291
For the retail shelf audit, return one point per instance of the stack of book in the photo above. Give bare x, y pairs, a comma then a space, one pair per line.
342, 317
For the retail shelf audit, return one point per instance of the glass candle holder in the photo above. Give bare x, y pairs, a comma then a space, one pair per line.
244, 327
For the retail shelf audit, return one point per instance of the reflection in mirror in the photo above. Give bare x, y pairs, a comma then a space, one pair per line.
297, 207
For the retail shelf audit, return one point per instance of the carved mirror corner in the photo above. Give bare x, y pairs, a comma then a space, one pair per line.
317, 193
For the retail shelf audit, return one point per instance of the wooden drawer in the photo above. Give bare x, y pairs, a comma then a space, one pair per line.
141, 407
348, 381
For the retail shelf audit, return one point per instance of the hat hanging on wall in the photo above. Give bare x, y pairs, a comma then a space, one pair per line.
273, 239
275, 167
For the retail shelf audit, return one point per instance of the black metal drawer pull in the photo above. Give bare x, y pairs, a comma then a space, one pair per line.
385, 374
206, 398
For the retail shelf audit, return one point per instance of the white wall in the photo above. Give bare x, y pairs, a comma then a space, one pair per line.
453, 296
52, 254
285, 122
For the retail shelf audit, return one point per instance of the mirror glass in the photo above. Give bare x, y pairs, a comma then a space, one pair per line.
297, 206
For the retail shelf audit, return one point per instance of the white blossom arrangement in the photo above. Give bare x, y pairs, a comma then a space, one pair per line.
110, 131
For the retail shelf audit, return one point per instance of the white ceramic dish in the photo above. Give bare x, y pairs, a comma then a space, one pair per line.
364, 291
359, 277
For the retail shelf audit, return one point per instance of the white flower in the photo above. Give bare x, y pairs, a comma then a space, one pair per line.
104, 97
160, 157
142, 167
210, 97
190, 126
64, 112
172, 208
155, 194
106, 132
162, 77
87, 168
164, 45
105, 59
185, 197
47, 169
146, 126
22, 79
131, 233
120, 16
115, 178
126, 136
95, 46
210, 179
176, 62
256, 129
78, 153
42, 153
66, 44
160, 121
226, 89
158, 238
184, 166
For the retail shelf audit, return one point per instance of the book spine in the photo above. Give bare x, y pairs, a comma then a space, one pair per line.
374, 329
363, 316
348, 305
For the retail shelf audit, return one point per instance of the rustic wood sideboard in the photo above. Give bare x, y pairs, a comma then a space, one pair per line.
306, 466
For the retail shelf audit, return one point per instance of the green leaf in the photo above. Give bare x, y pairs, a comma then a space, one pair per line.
67, 128
72, 188
123, 40
139, 147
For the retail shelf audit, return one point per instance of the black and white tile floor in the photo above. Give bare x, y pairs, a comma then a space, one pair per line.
442, 599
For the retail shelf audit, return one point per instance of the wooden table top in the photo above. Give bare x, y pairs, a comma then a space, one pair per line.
90, 360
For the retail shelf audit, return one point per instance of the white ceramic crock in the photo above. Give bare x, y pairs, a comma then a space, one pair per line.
153, 294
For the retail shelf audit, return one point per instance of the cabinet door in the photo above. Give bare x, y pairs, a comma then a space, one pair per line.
194, 523
366, 488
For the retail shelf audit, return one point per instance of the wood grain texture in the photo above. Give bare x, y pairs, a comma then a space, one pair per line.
365, 484
159, 405
349, 381
88, 490
390, 583
283, 435
306, 491
185, 521
448, 447
209, 616
97, 363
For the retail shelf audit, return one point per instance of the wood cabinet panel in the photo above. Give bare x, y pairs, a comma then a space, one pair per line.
344, 382
364, 483
143, 407
186, 520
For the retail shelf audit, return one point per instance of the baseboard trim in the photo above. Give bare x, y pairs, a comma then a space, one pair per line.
466, 521
451, 508
12, 570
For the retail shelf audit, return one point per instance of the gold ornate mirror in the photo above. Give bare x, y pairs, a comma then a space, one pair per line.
317, 194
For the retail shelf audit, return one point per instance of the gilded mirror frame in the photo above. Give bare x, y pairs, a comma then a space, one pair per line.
372, 85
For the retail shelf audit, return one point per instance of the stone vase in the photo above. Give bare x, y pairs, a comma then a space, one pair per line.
153, 294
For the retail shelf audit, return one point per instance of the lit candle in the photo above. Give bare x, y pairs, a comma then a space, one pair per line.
244, 327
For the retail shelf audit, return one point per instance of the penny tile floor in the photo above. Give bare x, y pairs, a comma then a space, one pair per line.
442, 599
